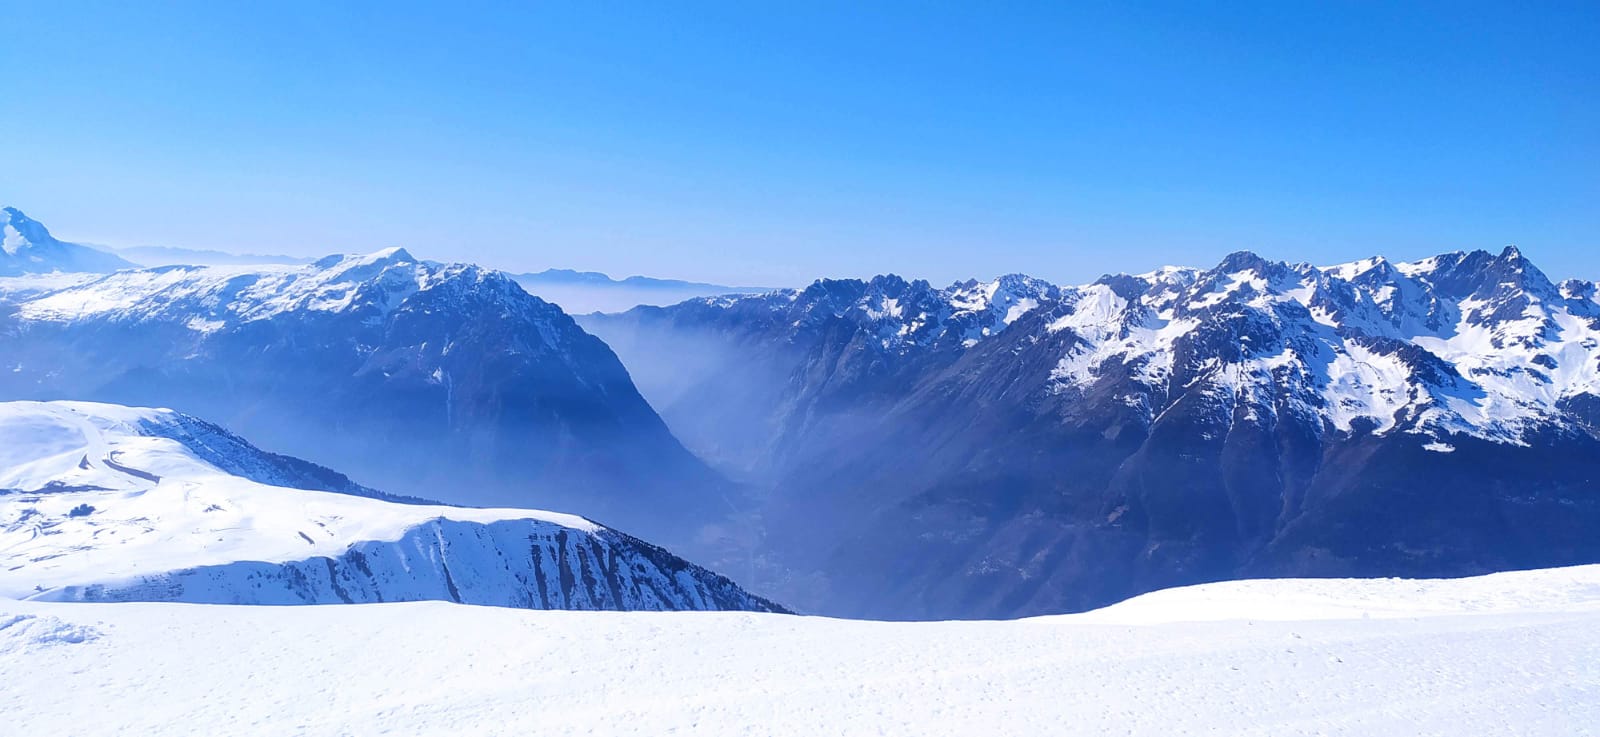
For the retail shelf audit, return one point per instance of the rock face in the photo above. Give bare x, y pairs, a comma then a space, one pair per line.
423, 378
109, 503
1013, 447
26, 247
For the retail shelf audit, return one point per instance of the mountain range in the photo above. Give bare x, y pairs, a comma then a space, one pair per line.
1015, 447
149, 256
892, 449
581, 292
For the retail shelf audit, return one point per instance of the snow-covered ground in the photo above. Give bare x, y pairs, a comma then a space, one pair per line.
1508, 654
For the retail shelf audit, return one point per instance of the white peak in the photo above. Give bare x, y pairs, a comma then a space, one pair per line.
1165, 272
1415, 268
1353, 269
393, 253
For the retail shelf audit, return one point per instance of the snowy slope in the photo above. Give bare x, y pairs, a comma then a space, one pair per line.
26, 247
103, 502
1510, 654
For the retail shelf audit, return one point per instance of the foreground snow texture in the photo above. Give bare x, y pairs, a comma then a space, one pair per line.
1513, 653
112, 503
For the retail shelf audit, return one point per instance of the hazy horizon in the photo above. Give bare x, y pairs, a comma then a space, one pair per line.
734, 146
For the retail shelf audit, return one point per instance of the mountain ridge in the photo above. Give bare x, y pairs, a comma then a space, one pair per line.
401, 370
1061, 447
110, 503
581, 292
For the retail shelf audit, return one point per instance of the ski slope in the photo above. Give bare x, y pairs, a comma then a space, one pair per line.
1508, 654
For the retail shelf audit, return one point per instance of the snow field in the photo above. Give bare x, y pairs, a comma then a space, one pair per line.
1508, 654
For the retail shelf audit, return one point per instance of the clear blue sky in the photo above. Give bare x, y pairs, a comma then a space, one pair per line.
771, 143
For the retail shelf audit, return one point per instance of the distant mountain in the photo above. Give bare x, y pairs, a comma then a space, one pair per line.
1014, 447
150, 256
108, 503
26, 247
590, 291
435, 380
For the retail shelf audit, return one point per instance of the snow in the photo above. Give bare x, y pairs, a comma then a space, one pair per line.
1508, 654
158, 508
1095, 319
1355, 268
1366, 384
1339, 327
1021, 307
1096, 309
208, 297
29, 285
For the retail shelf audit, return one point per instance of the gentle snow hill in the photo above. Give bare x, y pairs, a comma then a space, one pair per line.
104, 502
1509, 654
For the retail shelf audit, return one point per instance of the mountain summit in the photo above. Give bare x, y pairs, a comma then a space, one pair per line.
26, 247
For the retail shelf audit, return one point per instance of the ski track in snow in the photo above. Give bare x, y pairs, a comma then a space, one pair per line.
1509, 654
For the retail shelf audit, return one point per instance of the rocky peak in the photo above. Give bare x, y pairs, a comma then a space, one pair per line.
26, 247
1248, 261
20, 231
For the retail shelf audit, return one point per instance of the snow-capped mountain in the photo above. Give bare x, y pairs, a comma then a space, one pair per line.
445, 380
103, 502
26, 247
1062, 447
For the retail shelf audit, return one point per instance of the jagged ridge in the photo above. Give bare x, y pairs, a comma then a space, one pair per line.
1061, 447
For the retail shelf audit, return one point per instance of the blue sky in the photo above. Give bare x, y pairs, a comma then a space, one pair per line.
771, 143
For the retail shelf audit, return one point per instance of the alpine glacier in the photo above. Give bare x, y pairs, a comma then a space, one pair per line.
1507, 654
108, 503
